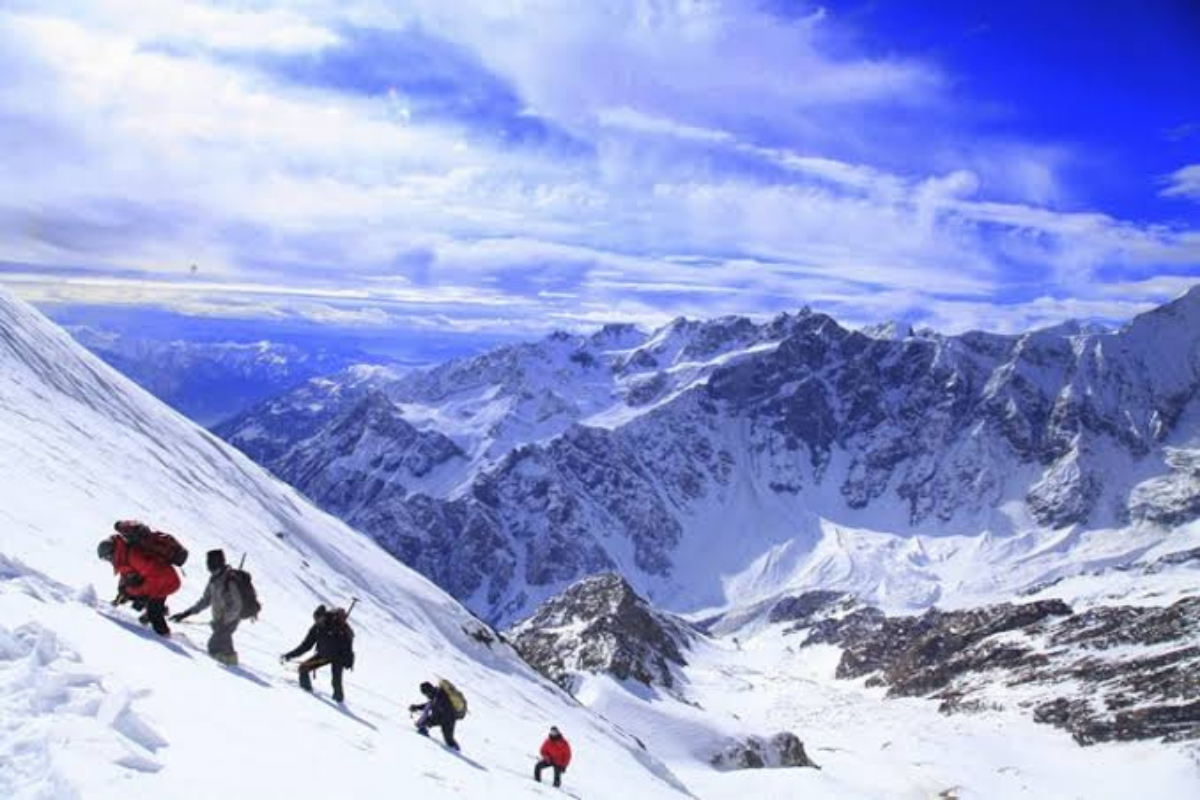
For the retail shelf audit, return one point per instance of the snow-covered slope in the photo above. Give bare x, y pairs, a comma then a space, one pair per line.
721, 463
91, 705
867, 746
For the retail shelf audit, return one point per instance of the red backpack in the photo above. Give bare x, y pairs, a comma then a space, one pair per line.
156, 544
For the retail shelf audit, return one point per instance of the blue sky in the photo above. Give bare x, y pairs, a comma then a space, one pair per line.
509, 167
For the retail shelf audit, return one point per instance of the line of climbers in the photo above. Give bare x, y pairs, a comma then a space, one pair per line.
145, 559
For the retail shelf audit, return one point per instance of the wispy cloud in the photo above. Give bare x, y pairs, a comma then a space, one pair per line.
528, 164
1183, 182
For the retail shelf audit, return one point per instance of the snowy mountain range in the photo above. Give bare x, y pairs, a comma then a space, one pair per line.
211, 381
722, 463
746, 700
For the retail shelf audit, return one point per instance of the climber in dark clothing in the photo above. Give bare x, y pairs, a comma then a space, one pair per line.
437, 711
332, 636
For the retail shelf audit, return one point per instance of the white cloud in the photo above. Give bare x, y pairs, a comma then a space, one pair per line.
135, 144
641, 122
1183, 182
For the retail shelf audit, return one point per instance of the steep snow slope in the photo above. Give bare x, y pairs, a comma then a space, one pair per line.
92, 706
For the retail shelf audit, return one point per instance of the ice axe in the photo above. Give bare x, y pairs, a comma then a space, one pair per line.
353, 603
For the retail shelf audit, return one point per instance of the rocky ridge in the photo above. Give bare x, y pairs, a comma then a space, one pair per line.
1110, 672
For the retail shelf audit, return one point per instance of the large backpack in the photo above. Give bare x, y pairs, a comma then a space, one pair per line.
340, 621
156, 544
457, 700
243, 584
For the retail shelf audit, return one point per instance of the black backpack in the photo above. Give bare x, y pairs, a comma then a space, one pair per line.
339, 626
243, 584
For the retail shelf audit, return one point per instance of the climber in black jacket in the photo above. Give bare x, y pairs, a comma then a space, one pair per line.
437, 711
334, 640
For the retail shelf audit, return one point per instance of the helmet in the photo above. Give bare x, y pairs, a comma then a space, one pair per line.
427, 689
319, 611
554, 733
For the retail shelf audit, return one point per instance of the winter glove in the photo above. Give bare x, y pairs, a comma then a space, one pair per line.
120, 598
132, 579
180, 617
415, 708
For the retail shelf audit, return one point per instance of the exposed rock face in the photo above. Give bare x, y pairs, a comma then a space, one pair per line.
600, 625
1112, 672
781, 750
364, 455
268, 431
804, 609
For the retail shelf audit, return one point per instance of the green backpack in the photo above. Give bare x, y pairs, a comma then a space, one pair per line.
456, 698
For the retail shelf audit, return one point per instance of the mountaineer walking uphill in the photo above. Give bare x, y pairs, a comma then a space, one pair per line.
146, 560
231, 595
443, 708
333, 637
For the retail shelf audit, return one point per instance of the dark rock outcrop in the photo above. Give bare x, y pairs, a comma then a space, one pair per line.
781, 750
600, 625
1109, 673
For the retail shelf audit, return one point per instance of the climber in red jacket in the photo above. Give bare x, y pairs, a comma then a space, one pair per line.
556, 753
147, 578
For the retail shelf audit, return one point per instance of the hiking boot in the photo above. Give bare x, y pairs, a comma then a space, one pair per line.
228, 659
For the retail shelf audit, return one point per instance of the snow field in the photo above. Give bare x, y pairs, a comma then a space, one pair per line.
101, 708
866, 746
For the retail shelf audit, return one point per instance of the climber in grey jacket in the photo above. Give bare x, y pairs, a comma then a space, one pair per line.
222, 594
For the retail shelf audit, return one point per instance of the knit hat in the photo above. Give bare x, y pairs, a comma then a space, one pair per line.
105, 549
215, 559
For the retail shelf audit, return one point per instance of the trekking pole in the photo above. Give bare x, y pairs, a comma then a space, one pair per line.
353, 603
242, 563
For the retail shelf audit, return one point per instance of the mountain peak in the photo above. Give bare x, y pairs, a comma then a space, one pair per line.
889, 331
601, 625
